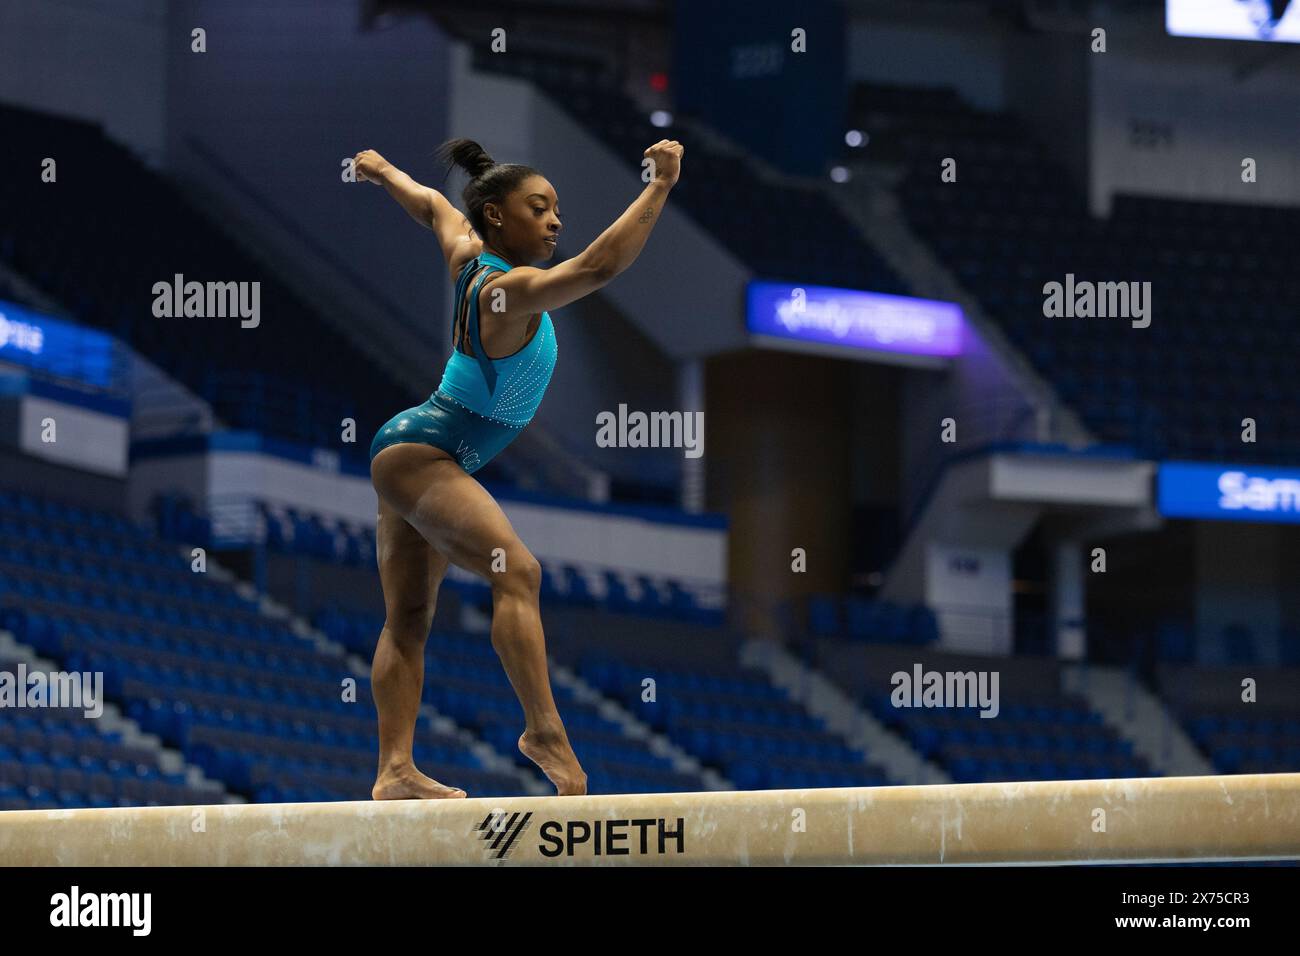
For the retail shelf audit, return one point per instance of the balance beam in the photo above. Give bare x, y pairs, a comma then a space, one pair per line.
1171, 819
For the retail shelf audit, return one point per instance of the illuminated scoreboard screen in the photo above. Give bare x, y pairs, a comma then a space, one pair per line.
1228, 492
57, 348
852, 323
1275, 21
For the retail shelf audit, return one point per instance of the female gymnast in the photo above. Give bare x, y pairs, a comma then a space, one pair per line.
431, 511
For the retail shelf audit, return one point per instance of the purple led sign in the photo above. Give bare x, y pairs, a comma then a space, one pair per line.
854, 320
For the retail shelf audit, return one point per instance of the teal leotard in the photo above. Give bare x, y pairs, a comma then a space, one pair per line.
482, 404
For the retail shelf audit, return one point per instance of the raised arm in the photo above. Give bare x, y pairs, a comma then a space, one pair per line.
425, 205
529, 290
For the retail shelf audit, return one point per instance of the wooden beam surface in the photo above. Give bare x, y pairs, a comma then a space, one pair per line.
1158, 819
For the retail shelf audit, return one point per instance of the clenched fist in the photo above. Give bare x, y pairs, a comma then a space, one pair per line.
369, 166
667, 158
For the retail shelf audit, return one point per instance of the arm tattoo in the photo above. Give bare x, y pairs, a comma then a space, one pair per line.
647, 215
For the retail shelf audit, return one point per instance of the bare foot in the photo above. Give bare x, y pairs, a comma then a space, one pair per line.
553, 755
407, 783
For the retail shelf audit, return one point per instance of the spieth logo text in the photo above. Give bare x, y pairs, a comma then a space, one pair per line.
647, 836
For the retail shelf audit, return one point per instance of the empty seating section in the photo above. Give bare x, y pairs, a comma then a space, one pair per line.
695, 693
1237, 736
1223, 290
1036, 732
1238, 643
638, 594
52, 758
1052, 740
1266, 743
860, 618
295, 531
291, 530
51, 556
750, 216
